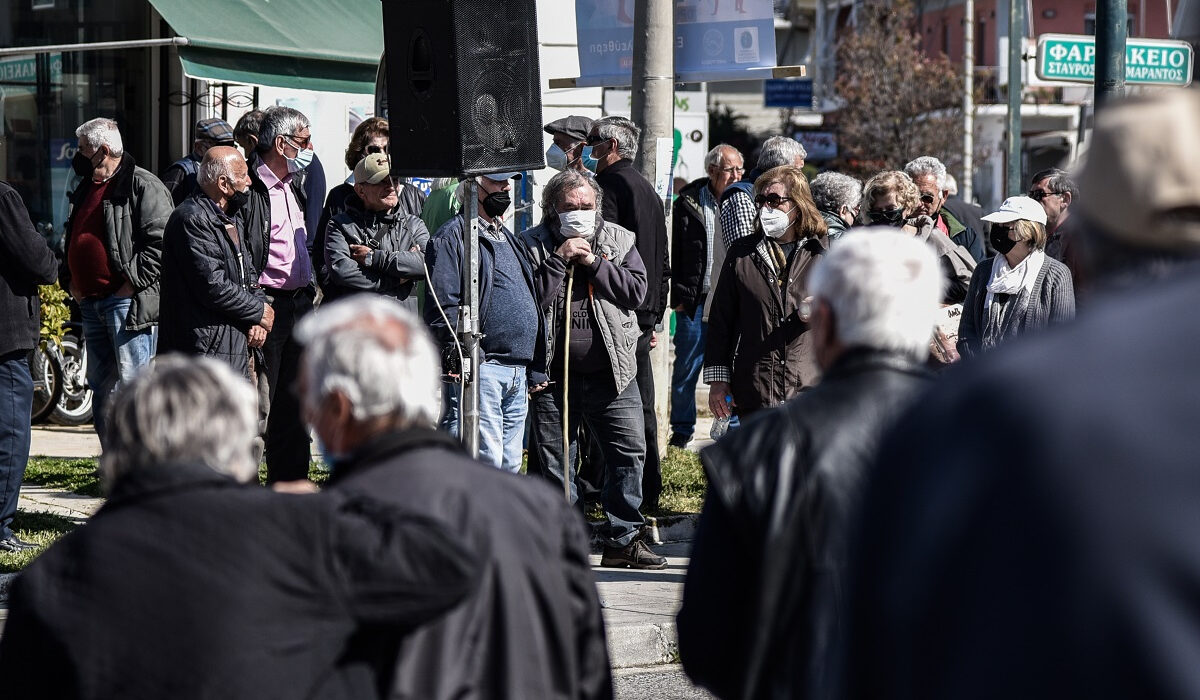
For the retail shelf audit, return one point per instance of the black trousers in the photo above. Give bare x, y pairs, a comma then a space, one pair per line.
652, 469
287, 443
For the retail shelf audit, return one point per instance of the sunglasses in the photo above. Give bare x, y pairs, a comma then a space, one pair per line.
927, 198
772, 199
1039, 195
376, 149
595, 140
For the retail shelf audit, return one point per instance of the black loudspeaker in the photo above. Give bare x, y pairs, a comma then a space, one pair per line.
463, 88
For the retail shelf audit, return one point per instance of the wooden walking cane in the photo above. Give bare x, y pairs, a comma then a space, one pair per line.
566, 414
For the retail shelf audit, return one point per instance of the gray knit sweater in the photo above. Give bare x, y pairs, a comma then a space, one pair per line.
1051, 300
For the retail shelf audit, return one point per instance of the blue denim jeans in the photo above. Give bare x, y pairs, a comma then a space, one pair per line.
114, 353
615, 419
16, 403
690, 332
503, 405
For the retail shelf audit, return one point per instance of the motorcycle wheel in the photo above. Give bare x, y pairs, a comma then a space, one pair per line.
47, 383
74, 407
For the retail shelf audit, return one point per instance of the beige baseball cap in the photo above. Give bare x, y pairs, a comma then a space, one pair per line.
1139, 182
372, 169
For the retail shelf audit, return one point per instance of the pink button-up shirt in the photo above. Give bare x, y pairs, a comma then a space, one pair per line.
288, 265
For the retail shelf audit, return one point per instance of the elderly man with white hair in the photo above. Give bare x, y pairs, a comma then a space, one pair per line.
838, 197
761, 606
212, 304
932, 181
188, 583
113, 257
533, 629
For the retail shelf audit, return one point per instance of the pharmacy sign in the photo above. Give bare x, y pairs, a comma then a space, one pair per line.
1072, 57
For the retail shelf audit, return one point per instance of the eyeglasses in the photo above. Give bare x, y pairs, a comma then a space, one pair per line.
927, 198
1039, 195
772, 199
376, 149
733, 171
300, 143
595, 140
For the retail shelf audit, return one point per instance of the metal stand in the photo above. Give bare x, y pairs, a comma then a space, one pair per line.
468, 323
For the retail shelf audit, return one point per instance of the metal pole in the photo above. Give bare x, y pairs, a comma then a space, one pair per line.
1111, 23
966, 188
468, 323
653, 109
1016, 46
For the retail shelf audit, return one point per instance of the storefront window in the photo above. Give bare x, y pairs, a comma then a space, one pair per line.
44, 97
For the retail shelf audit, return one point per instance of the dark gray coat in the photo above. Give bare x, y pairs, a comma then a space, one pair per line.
393, 267
25, 262
136, 208
210, 289
1051, 301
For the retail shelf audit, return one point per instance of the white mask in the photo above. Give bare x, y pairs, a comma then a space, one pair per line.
774, 222
556, 158
580, 223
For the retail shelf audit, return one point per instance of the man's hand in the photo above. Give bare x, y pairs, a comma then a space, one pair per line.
653, 340
360, 253
535, 388
718, 392
75, 293
256, 336
125, 291
268, 318
298, 486
680, 309
574, 250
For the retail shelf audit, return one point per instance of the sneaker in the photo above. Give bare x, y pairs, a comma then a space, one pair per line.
12, 543
635, 555
679, 440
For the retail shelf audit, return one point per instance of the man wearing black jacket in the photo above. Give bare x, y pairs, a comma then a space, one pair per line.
25, 262
277, 240
630, 202
533, 628
212, 304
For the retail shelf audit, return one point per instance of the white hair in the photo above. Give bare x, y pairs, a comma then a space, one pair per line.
623, 130
377, 354
213, 166
927, 165
884, 288
780, 150
951, 185
831, 191
182, 410
712, 159
101, 132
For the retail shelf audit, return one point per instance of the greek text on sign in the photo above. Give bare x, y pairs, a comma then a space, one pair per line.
1072, 57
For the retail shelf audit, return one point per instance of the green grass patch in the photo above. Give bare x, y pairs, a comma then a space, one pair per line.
684, 483
75, 475
41, 529
318, 473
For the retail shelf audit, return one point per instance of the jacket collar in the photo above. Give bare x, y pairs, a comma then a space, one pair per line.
953, 225
358, 209
166, 478
620, 165
860, 359
120, 186
392, 444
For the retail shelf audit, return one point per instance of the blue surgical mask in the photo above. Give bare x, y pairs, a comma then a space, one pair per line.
588, 161
302, 160
330, 458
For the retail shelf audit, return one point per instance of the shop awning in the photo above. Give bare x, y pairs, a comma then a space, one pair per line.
322, 45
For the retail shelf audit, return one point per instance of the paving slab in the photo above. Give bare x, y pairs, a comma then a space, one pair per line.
640, 607
40, 499
72, 442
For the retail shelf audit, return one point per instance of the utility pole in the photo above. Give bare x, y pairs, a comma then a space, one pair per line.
653, 109
966, 188
1016, 58
468, 324
1111, 21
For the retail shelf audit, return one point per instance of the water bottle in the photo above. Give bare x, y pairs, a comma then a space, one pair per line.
720, 426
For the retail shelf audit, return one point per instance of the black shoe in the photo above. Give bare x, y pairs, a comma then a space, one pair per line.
679, 440
12, 543
635, 555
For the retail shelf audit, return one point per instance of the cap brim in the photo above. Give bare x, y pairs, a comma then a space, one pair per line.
1001, 217
501, 177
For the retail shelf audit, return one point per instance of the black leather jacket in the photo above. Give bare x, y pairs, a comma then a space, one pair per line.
763, 602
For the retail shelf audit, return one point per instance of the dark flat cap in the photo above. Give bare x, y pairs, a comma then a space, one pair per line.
574, 126
214, 130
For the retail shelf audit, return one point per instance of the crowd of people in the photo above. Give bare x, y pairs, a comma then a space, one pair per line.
879, 523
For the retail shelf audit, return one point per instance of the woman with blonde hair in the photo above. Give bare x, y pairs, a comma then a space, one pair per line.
758, 352
1020, 288
890, 198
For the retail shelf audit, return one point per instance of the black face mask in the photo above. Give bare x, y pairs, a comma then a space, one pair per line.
496, 203
82, 165
236, 201
890, 217
1000, 240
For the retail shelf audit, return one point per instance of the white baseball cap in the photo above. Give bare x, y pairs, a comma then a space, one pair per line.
1018, 208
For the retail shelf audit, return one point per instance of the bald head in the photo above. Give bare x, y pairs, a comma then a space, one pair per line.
222, 172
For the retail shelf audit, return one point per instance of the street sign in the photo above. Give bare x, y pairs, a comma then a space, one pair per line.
785, 92
1072, 57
